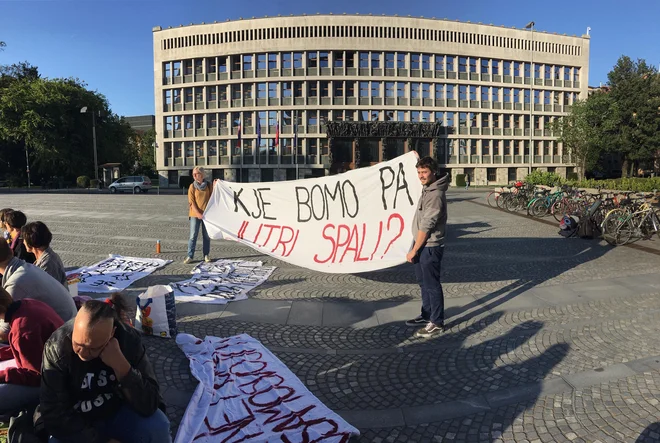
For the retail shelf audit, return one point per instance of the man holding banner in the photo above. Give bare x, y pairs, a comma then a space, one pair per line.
428, 228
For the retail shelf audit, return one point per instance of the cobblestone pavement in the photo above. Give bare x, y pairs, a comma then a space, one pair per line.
550, 339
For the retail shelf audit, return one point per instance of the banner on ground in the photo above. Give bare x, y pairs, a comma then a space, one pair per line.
115, 273
353, 222
245, 393
221, 281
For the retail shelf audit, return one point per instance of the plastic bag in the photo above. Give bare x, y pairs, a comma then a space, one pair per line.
156, 312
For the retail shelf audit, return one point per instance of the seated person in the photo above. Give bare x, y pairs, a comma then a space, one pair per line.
3, 226
15, 220
23, 280
37, 238
97, 383
31, 324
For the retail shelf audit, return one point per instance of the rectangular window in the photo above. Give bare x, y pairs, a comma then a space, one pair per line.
495, 67
312, 60
375, 59
262, 90
211, 65
462, 64
451, 63
364, 59
507, 68
450, 120
312, 89
286, 60
473, 93
401, 61
286, 89
400, 89
324, 59
401, 116
484, 66
338, 61
168, 96
426, 61
414, 90
439, 117
450, 92
375, 89
462, 120
439, 62
272, 61
462, 92
484, 94
473, 65
426, 90
211, 93
212, 120
272, 90
364, 89
389, 60
325, 89
517, 69
414, 61
389, 89
495, 94
247, 63
190, 149
439, 91
297, 60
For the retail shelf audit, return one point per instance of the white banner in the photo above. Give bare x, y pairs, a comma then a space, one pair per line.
353, 222
221, 281
245, 393
115, 273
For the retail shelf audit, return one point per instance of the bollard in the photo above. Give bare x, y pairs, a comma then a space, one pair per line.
157, 246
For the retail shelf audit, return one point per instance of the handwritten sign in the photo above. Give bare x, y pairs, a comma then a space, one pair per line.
353, 222
245, 393
115, 273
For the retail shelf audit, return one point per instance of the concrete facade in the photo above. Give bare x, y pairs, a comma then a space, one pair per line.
213, 81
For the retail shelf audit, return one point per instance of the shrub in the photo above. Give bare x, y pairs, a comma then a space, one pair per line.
543, 178
82, 181
94, 183
460, 180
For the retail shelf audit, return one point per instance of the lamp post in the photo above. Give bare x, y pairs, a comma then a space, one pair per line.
83, 110
530, 26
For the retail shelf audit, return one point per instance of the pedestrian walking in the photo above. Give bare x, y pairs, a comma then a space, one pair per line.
199, 194
428, 227
467, 181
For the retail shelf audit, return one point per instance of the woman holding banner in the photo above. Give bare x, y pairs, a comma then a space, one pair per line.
199, 195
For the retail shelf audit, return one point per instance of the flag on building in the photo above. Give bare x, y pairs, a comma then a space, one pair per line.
277, 133
258, 131
239, 133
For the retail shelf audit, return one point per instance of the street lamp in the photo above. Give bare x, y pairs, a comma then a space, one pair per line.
83, 110
530, 26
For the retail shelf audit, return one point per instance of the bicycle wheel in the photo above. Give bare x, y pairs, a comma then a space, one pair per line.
539, 208
492, 198
501, 201
624, 232
558, 210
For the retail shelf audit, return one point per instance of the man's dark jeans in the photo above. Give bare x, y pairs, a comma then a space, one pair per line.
427, 271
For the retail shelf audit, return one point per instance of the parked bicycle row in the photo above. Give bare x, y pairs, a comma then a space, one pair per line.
617, 217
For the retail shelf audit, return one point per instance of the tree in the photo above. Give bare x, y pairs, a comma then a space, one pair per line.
143, 142
583, 132
635, 118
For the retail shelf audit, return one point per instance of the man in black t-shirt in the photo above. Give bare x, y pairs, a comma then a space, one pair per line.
97, 383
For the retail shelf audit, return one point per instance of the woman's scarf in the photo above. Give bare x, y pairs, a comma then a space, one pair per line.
200, 186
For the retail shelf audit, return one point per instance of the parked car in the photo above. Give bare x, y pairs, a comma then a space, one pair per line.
133, 183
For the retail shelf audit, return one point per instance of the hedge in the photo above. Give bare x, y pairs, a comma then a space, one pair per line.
82, 181
620, 184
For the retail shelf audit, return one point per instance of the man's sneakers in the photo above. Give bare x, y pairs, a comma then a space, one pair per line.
430, 330
417, 321
207, 259
187, 260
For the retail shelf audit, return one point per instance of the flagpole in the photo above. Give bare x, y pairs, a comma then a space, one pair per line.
295, 137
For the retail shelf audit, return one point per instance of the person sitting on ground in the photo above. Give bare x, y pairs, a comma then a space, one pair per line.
31, 325
97, 384
24, 280
3, 226
15, 220
37, 238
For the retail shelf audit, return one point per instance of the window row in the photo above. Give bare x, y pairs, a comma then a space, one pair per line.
383, 32
313, 146
283, 121
366, 60
365, 89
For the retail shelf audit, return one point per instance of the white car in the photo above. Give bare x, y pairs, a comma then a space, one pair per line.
133, 183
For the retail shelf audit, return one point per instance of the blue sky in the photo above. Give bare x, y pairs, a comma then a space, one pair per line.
108, 43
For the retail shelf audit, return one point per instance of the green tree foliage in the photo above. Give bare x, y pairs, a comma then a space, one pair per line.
584, 131
43, 117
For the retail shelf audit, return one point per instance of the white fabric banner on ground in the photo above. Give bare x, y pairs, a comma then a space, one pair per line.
221, 281
116, 273
353, 222
245, 393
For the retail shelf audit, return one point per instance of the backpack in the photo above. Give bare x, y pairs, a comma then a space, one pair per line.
27, 427
588, 229
568, 227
